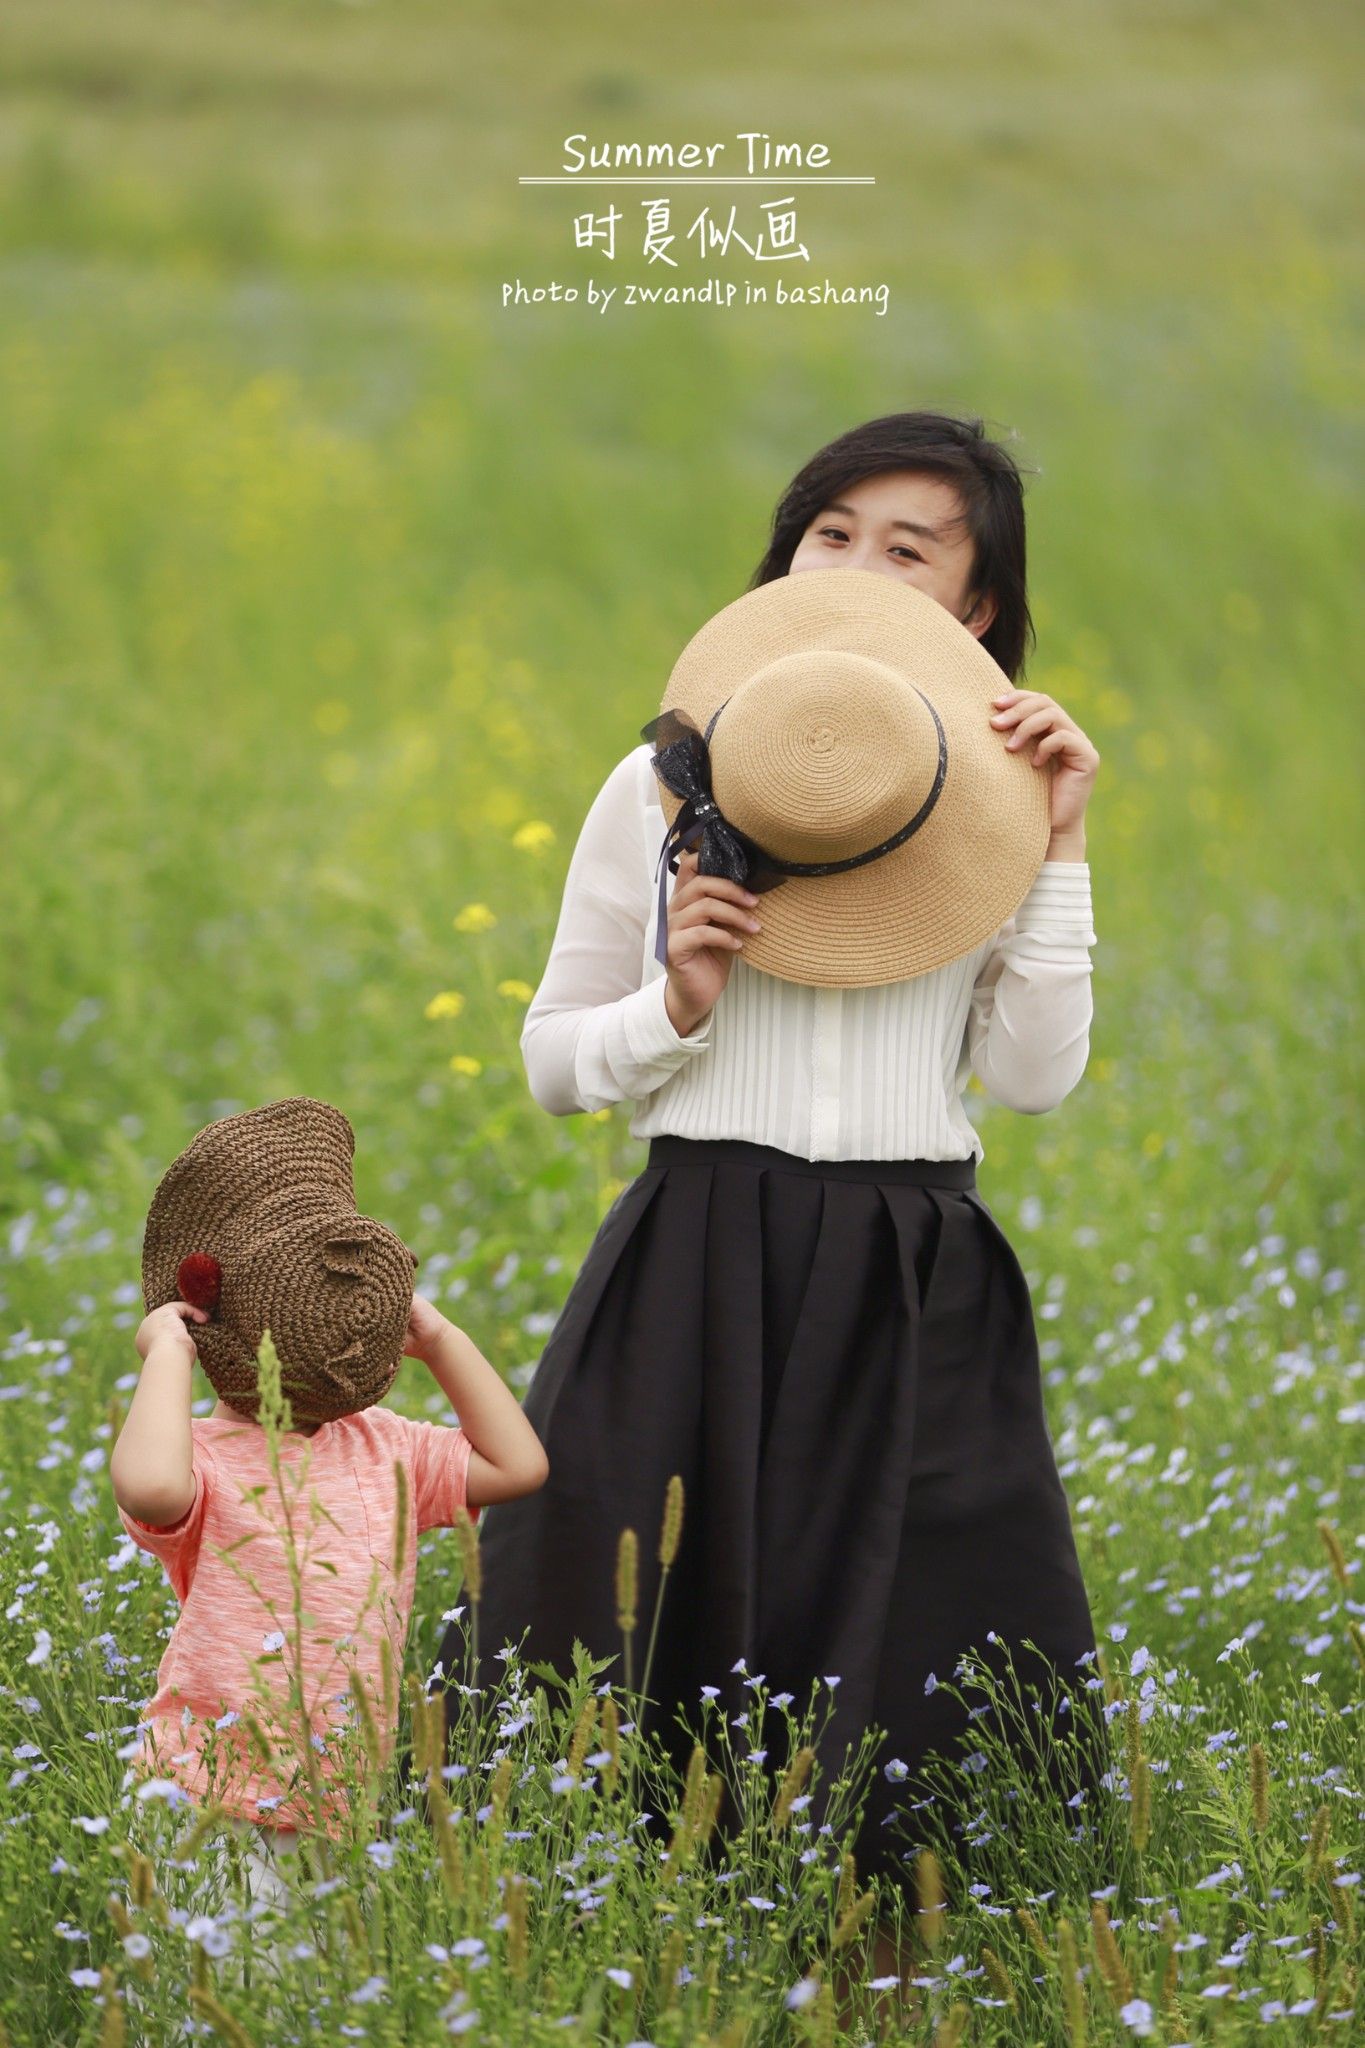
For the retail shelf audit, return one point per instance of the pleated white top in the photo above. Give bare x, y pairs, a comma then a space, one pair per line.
871, 1073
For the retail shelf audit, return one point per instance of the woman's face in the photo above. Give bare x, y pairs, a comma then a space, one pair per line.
902, 523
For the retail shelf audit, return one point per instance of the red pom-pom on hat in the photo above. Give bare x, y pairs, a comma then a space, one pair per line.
199, 1279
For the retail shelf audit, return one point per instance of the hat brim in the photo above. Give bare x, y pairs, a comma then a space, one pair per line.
967, 869
205, 1199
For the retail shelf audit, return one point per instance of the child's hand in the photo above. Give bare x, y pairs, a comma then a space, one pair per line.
151, 1466
425, 1324
166, 1325
507, 1458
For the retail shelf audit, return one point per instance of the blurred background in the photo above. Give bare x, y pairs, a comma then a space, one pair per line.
330, 592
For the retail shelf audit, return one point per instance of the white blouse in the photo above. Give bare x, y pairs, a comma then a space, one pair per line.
864, 1073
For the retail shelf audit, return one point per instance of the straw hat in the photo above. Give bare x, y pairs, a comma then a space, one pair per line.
838, 720
256, 1222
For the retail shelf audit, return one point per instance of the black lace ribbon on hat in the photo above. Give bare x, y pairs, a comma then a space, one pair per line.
682, 762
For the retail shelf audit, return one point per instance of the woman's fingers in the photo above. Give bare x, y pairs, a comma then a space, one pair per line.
1036, 721
691, 884
698, 938
715, 910
707, 913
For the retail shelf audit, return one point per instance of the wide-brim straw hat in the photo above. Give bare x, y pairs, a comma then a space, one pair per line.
256, 1222
839, 705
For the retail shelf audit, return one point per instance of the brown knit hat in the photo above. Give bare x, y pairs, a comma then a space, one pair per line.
256, 1222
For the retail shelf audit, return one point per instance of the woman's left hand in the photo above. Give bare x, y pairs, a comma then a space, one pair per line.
1028, 714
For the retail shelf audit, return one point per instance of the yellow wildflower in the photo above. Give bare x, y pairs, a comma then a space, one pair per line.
448, 1003
516, 991
332, 717
1114, 706
475, 917
532, 836
464, 1063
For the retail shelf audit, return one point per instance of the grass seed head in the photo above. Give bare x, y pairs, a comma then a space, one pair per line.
793, 1784
951, 2027
1109, 1956
449, 1849
710, 1810
627, 1580
671, 1533
121, 1917
931, 1896
694, 1788
1133, 1735
848, 1884
581, 1740
1073, 1991
1140, 1812
517, 1947
228, 2029
467, 1536
1331, 1543
141, 1880
999, 1976
673, 1954
113, 2030
1260, 1787
846, 1928
1029, 1922
369, 1731
400, 1526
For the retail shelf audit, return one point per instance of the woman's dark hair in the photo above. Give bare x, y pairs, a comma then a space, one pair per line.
987, 481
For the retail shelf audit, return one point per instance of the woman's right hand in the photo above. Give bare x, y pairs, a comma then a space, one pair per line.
707, 917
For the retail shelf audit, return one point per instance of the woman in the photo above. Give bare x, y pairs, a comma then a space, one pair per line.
801, 1305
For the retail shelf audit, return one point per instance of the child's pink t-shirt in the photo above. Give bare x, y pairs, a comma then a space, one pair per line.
227, 1562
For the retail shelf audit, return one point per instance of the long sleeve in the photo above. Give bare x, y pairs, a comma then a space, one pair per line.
1028, 1028
593, 1034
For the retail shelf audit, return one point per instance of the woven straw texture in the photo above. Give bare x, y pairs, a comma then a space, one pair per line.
270, 1195
826, 748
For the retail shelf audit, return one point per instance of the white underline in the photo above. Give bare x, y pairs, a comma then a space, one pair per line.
574, 179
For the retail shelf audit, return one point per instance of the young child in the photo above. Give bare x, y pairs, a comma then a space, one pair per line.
253, 1228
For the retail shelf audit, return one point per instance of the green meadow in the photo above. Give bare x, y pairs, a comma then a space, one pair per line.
330, 590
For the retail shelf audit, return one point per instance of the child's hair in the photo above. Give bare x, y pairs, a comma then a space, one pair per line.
987, 480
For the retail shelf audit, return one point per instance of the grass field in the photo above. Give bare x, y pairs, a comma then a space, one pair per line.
329, 592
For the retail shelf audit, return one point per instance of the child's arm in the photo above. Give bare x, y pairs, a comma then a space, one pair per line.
508, 1458
151, 1468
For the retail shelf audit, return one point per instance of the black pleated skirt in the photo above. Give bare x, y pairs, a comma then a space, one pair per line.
840, 1360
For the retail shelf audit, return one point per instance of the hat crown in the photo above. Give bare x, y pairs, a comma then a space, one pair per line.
267, 1196
822, 754
964, 848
